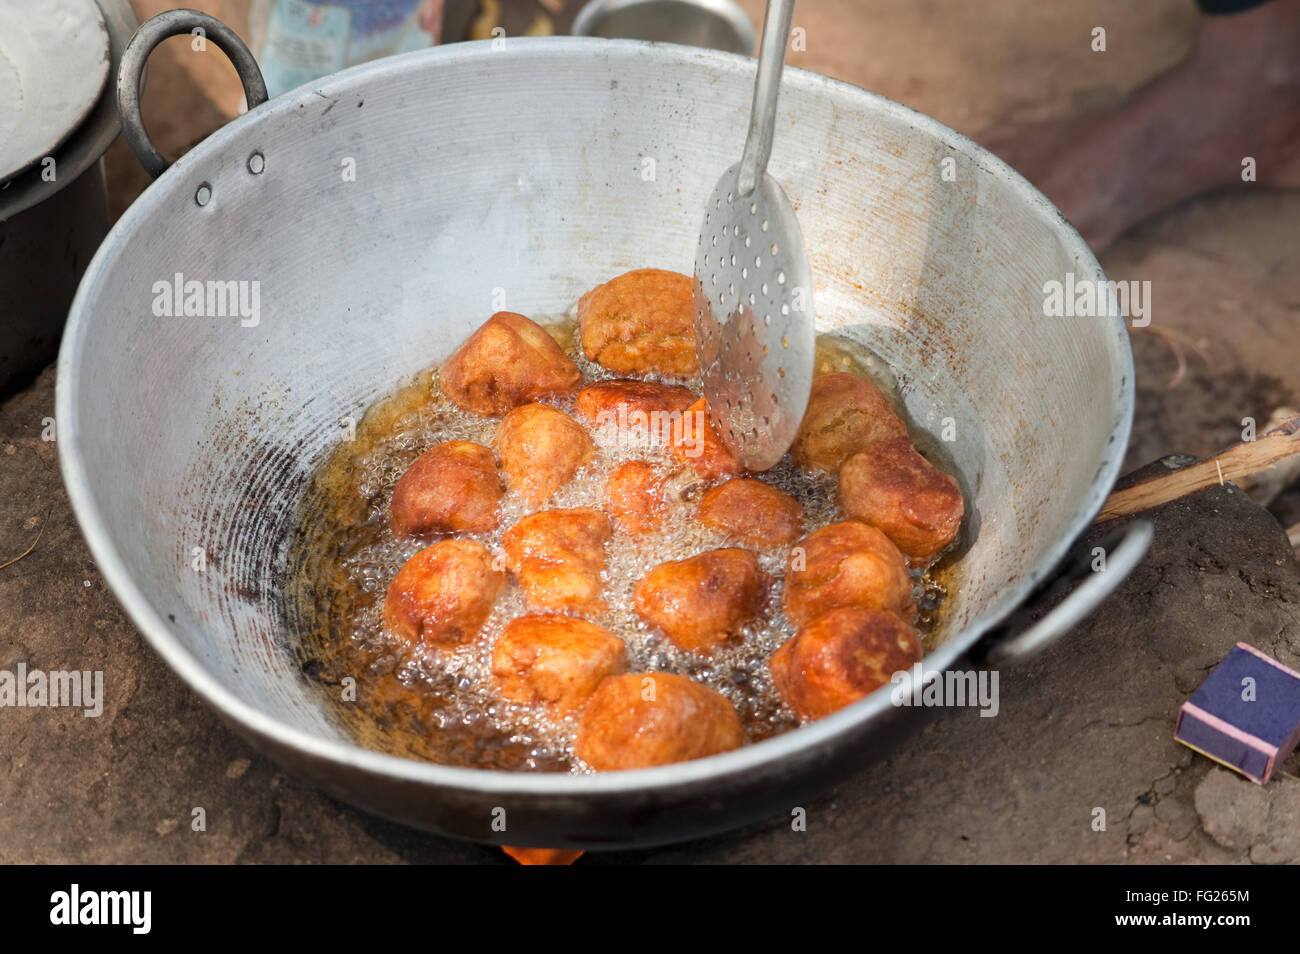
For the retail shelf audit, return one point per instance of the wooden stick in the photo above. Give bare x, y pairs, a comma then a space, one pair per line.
1265, 485
1238, 461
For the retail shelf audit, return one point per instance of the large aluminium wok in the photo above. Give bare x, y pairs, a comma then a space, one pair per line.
387, 210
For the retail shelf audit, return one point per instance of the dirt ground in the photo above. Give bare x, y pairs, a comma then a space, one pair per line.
1226, 290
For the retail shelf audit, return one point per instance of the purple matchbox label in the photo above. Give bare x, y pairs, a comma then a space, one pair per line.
1246, 715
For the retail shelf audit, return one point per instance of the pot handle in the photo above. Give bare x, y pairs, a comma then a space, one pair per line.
130, 75
1124, 548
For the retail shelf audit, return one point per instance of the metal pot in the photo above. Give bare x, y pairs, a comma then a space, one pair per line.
716, 24
50, 228
384, 208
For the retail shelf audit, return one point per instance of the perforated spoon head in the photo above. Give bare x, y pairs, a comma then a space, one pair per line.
753, 319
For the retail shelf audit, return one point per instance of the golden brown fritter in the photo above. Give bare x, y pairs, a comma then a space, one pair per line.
558, 557
451, 488
634, 496
443, 594
557, 661
845, 414
845, 564
510, 360
642, 322
643, 719
540, 450
892, 487
697, 444
643, 410
702, 602
752, 512
840, 657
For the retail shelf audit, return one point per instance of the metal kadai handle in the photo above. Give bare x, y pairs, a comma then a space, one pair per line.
130, 75
1124, 548
767, 86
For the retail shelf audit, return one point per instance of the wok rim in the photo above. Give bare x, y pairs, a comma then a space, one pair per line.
822, 735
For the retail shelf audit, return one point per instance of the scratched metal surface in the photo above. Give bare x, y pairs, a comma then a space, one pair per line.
178, 433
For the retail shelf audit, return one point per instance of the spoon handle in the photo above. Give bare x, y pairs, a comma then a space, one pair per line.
762, 115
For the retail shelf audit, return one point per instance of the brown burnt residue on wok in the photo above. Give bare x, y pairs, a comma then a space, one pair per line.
238, 500
437, 705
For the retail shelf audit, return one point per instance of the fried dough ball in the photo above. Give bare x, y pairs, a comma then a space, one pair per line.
443, 594
845, 564
642, 322
752, 512
840, 657
643, 719
557, 661
892, 487
697, 444
845, 414
558, 557
451, 488
634, 496
702, 602
540, 450
510, 360
635, 405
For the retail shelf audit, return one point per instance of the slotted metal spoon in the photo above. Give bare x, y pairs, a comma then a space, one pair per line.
753, 287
